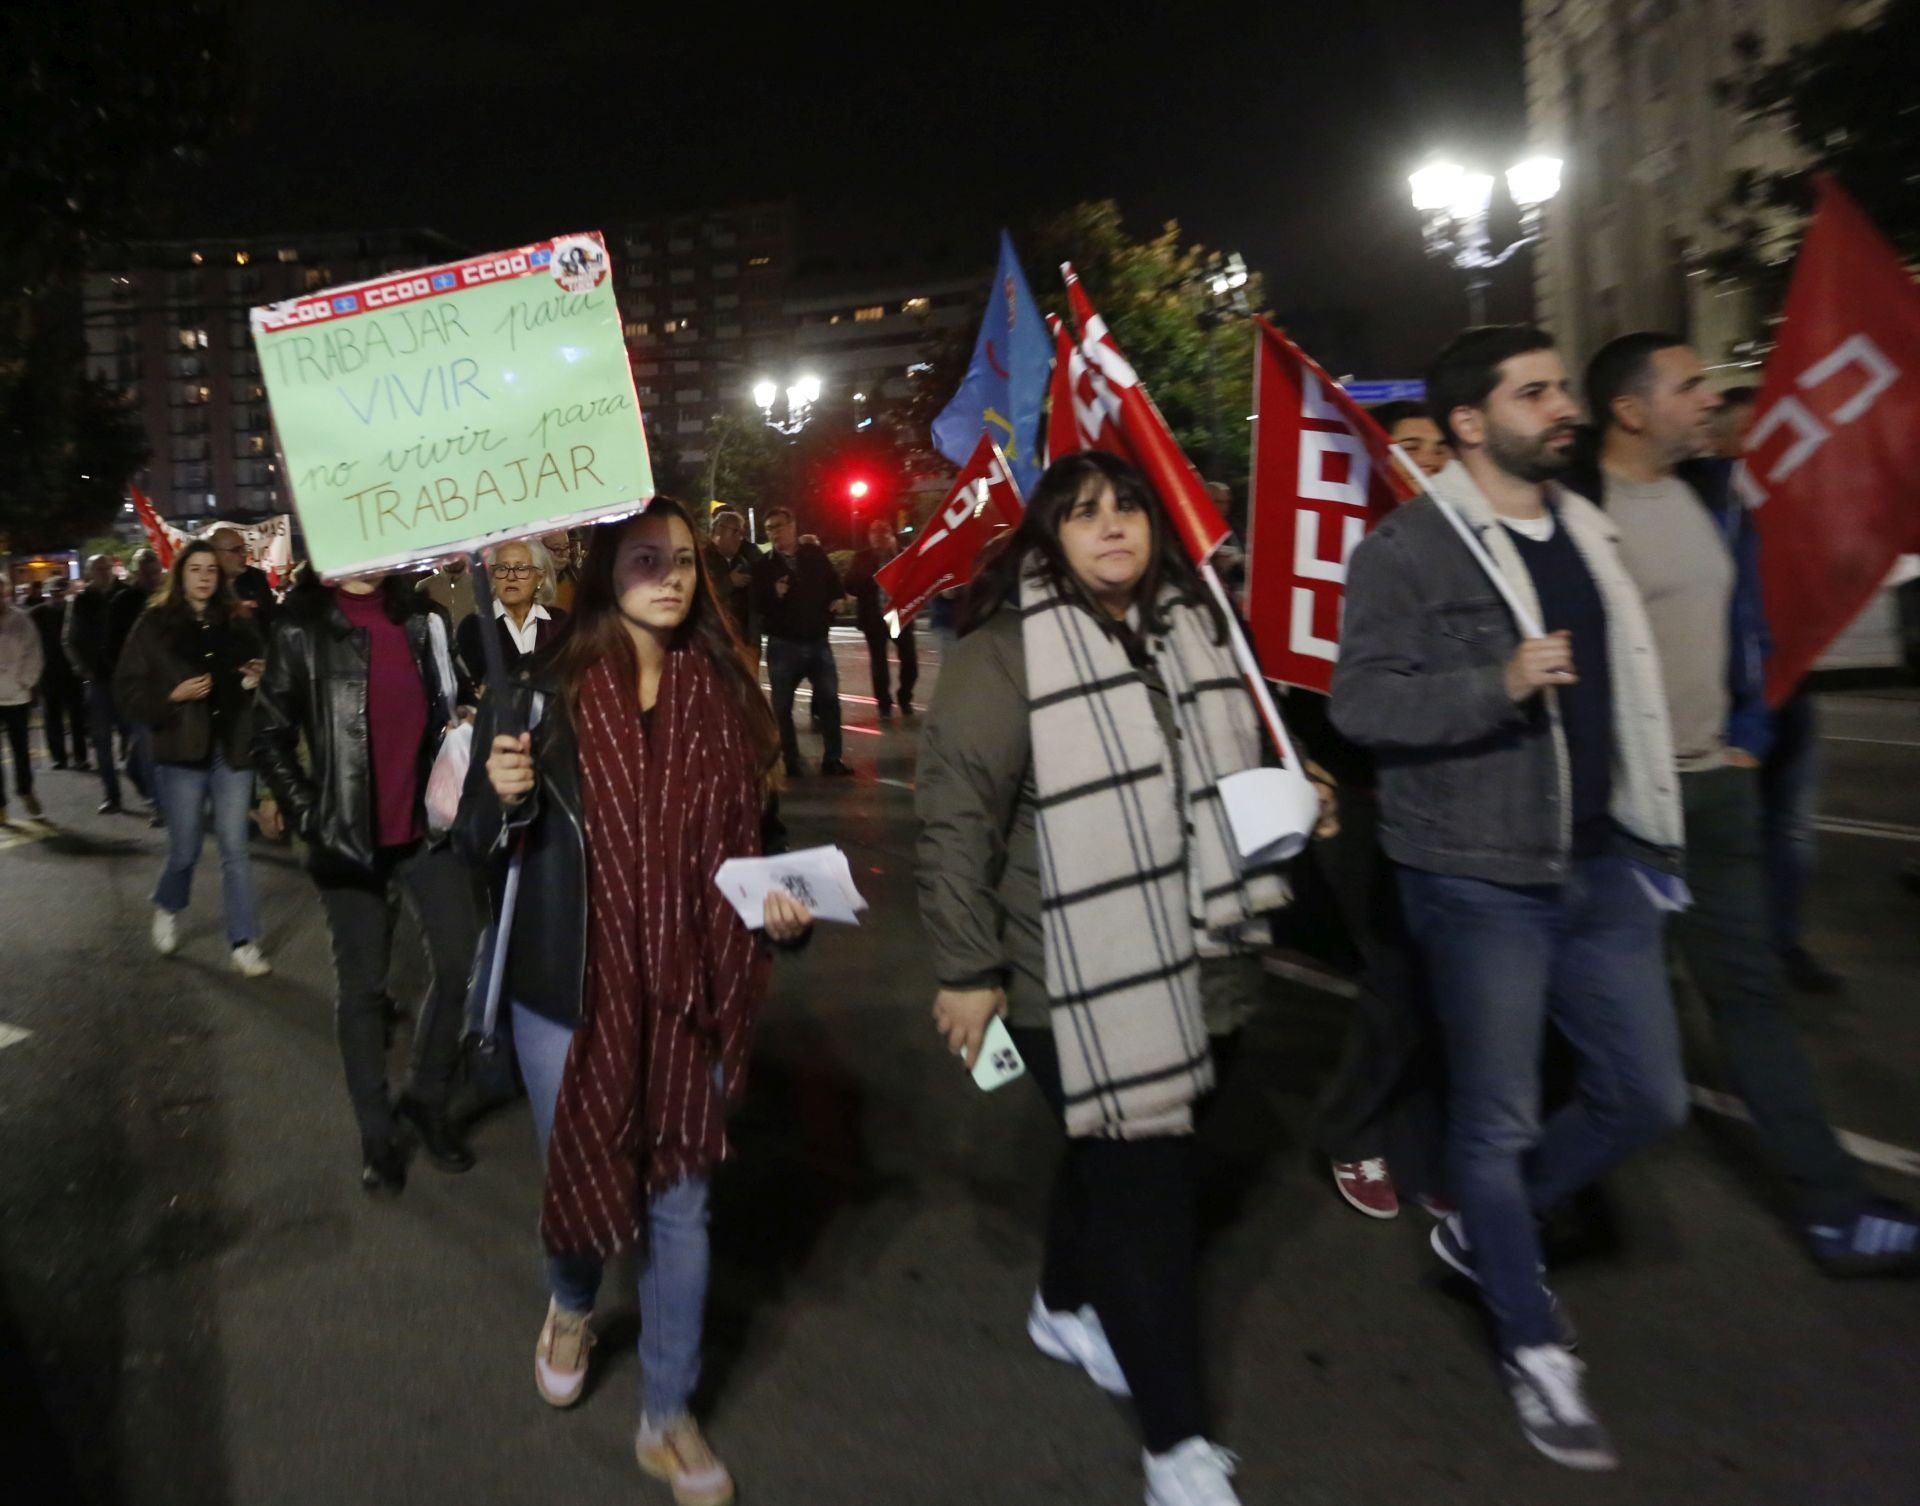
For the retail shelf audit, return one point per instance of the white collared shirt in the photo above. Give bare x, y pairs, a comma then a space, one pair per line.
522, 633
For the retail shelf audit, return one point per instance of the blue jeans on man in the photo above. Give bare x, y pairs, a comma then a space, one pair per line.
1503, 961
673, 1267
789, 661
184, 794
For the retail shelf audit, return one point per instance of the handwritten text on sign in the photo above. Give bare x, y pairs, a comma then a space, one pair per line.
432, 410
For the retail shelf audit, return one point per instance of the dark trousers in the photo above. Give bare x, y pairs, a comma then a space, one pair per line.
1122, 1236
877, 641
789, 661
1726, 940
101, 721
1789, 789
15, 720
1385, 1097
63, 710
360, 922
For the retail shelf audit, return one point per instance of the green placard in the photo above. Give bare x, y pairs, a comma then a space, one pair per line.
430, 411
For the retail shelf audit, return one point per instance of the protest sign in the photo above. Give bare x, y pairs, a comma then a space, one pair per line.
433, 410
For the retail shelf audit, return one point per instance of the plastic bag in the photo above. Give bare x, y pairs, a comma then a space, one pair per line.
449, 778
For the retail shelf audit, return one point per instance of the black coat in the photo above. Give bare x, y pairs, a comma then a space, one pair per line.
473, 651
160, 652
88, 636
316, 687
50, 617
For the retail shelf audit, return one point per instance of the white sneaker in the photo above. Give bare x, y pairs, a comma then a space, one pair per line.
1078, 1339
560, 1358
1194, 1473
249, 962
1548, 1388
166, 934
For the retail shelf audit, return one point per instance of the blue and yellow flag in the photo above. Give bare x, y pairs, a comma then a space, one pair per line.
1006, 383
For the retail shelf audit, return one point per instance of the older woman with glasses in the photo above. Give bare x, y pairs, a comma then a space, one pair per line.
521, 574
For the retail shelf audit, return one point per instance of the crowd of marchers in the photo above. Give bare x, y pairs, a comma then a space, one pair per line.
1547, 775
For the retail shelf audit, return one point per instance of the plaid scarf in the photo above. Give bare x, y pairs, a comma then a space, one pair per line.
1138, 869
673, 981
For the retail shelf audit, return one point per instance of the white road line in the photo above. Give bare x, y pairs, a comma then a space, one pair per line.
898, 784
1886, 831
12, 1035
1878, 1152
1878, 742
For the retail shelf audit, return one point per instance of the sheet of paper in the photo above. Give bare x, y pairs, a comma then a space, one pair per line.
819, 877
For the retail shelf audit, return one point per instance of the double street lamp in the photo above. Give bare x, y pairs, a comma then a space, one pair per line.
801, 397
1455, 201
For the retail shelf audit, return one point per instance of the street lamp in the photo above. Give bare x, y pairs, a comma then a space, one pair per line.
1454, 203
801, 396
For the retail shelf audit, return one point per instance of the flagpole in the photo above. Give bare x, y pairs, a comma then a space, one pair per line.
1250, 670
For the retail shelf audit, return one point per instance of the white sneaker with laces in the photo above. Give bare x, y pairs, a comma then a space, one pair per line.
1194, 1473
1078, 1339
1548, 1388
249, 962
166, 934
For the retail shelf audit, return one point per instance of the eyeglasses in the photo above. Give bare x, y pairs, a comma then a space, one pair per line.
516, 572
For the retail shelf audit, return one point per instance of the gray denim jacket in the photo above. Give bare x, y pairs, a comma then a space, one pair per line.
1471, 784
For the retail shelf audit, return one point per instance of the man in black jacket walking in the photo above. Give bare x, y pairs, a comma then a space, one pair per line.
63, 703
91, 650
795, 589
870, 618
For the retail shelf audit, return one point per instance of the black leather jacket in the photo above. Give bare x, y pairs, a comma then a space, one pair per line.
547, 951
316, 686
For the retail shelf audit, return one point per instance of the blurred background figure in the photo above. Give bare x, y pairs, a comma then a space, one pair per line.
1411, 426
521, 573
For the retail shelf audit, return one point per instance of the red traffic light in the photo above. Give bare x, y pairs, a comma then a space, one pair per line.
857, 489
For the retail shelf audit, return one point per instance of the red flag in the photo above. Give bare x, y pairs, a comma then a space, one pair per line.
1833, 459
1114, 413
163, 539
1323, 475
1063, 430
983, 504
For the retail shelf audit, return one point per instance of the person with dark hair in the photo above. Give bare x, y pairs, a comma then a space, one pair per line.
188, 672
362, 677
870, 617
1687, 542
136, 737
795, 589
1528, 800
1410, 425
87, 640
1077, 875
63, 701
634, 986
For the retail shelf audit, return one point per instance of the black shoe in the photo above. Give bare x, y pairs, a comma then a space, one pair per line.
438, 1138
109, 808
886, 711
383, 1169
1809, 974
83, 768
906, 708
835, 767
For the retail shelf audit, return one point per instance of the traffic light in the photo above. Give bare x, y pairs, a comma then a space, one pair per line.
857, 489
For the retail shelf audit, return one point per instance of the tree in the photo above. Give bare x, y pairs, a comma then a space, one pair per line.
1845, 103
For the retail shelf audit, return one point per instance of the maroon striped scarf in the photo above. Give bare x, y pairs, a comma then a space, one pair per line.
674, 980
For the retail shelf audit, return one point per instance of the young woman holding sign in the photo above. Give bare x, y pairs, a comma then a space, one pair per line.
1077, 875
635, 995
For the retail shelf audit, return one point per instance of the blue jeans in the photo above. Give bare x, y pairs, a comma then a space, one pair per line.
101, 721
673, 1268
789, 661
1503, 961
184, 794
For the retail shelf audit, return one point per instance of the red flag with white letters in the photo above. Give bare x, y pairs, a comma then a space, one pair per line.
1832, 462
983, 504
165, 539
1323, 475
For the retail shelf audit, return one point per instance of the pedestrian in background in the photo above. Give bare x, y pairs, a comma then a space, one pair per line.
451, 589
360, 676
1411, 426
63, 701
795, 591
1077, 875
870, 617
21, 667
634, 997
730, 566
563, 555
253, 594
88, 643
188, 672
520, 573
136, 737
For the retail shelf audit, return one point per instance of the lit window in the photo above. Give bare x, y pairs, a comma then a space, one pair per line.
870, 313
638, 329
286, 254
241, 258
672, 326
834, 320
691, 425
689, 395
916, 306
760, 261
316, 277
259, 444
196, 258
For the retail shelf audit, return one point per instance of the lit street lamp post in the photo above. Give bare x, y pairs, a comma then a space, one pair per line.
1455, 203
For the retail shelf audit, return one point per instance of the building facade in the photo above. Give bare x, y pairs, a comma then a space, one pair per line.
1625, 91
168, 327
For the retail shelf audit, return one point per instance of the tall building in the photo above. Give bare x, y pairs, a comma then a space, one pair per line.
168, 327
1625, 91
874, 340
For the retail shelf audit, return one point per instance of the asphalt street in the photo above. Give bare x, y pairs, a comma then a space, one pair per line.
198, 1305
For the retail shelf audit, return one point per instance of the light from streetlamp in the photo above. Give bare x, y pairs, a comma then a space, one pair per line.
1471, 196
1436, 186
763, 393
1533, 182
809, 389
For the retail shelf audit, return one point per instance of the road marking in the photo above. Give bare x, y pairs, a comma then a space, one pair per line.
1887, 831
20, 833
12, 1035
1878, 742
898, 784
1878, 1152
863, 731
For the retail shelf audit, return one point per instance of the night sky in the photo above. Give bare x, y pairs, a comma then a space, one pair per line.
1284, 131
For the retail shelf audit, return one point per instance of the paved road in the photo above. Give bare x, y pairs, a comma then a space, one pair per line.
198, 1306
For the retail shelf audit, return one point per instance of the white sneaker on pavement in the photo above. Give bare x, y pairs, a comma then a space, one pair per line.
166, 934
1078, 1339
1548, 1388
249, 961
1194, 1473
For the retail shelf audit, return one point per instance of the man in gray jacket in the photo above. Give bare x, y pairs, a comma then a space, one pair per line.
1529, 804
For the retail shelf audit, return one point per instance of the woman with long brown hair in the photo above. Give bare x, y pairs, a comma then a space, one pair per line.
634, 985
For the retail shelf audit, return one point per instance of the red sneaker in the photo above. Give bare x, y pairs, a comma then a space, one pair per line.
1366, 1185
